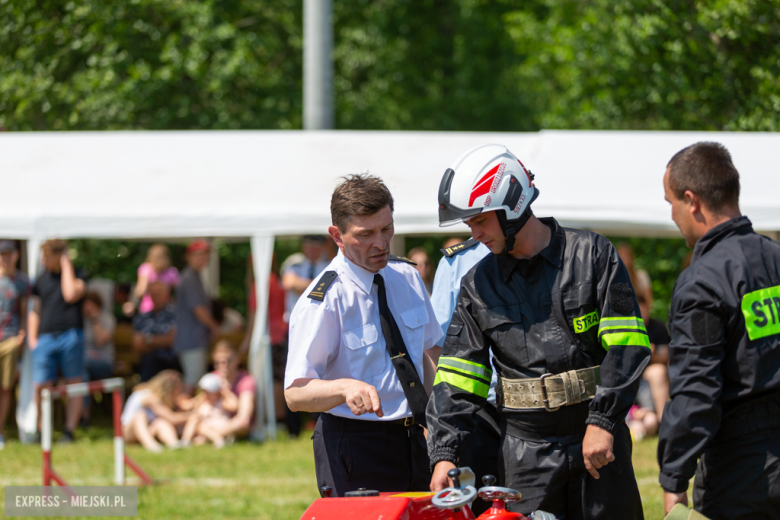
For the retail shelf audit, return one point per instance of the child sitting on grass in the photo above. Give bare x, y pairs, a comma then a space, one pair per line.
213, 407
149, 412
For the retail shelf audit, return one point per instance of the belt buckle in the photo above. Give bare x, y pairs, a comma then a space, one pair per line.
408, 421
545, 400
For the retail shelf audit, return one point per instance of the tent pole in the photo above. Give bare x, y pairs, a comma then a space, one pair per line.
259, 344
26, 412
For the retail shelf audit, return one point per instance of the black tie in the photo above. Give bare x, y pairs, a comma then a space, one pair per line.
404, 367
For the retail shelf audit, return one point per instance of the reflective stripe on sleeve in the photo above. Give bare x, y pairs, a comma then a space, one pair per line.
622, 323
470, 385
610, 339
467, 367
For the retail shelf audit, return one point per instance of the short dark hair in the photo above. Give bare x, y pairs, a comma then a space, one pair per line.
358, 195
55, 246
706, 169
95, 298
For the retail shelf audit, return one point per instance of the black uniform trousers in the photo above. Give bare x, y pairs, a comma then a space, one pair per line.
550, 471
738, 476
351, 454
481, 449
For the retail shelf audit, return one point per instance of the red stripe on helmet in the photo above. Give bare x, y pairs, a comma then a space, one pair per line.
483, 185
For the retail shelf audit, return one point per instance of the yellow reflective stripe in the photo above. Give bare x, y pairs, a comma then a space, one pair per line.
467, 373
467, 367
630, 322
610, 339
468, 384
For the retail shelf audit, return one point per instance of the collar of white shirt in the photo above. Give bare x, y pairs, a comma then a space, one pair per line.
363, 278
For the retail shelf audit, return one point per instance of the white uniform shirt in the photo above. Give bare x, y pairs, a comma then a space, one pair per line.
341, 336
305, 269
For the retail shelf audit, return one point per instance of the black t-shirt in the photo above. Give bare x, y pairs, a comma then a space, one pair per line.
657, 333
56, 314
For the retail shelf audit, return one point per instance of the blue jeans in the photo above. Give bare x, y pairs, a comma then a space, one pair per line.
63, 351
95, 370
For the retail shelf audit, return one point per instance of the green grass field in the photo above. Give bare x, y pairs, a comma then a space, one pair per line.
267, 481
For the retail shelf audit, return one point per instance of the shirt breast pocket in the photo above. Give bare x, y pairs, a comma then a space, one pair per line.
504, 326
414, 322
365, 355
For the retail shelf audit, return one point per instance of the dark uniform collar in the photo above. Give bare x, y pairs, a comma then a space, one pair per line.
735, 226
553, 253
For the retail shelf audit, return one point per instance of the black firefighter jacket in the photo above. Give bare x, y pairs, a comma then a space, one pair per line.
725, 350
569, 307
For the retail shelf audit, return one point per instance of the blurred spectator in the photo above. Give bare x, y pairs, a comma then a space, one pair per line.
299, 271
149, 412
453, 241
14, 291
213, 407
56, 328
241, 384
153, 334
121, 296
99, 326
157, 268
642, 422
656, 375
195, 325
419, 256
230, 320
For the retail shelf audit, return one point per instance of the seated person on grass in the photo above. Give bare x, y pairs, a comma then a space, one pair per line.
240, 383
213, 407
149, 412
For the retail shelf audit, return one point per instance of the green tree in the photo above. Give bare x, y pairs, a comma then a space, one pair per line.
426, 65
651, 64
150, 64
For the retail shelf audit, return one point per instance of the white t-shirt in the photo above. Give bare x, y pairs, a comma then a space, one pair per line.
341, 336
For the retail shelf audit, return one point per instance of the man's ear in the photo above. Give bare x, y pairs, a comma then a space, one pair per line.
335, 233
693, 201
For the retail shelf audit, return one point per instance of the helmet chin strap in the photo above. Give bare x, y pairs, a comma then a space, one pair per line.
512, 227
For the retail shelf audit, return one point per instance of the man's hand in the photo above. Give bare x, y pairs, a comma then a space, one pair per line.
440, 480
597, 449
671, 499
362, 398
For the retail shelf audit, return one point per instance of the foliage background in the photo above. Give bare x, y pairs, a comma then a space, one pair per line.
497, 65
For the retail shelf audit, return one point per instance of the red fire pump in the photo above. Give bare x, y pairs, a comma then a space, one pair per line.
452, 503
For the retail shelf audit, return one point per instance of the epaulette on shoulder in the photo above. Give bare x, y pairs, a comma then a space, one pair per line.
454, 250
394, 258
318, 293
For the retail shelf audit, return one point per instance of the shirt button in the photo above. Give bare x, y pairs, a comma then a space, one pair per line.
362, 342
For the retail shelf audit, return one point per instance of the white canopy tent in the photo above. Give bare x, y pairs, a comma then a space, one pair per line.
261, 184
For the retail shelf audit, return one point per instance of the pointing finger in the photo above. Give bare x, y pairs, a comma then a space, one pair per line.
375, 402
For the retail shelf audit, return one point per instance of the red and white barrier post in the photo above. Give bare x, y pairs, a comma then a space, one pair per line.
115, 386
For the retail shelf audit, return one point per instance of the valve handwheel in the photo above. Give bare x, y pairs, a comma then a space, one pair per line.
454, 497
492, 493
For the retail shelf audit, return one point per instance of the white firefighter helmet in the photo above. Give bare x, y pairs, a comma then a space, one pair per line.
486, 178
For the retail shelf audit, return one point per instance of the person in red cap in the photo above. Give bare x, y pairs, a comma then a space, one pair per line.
195, 325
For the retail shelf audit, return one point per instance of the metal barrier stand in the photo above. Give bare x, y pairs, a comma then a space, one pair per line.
116, 386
